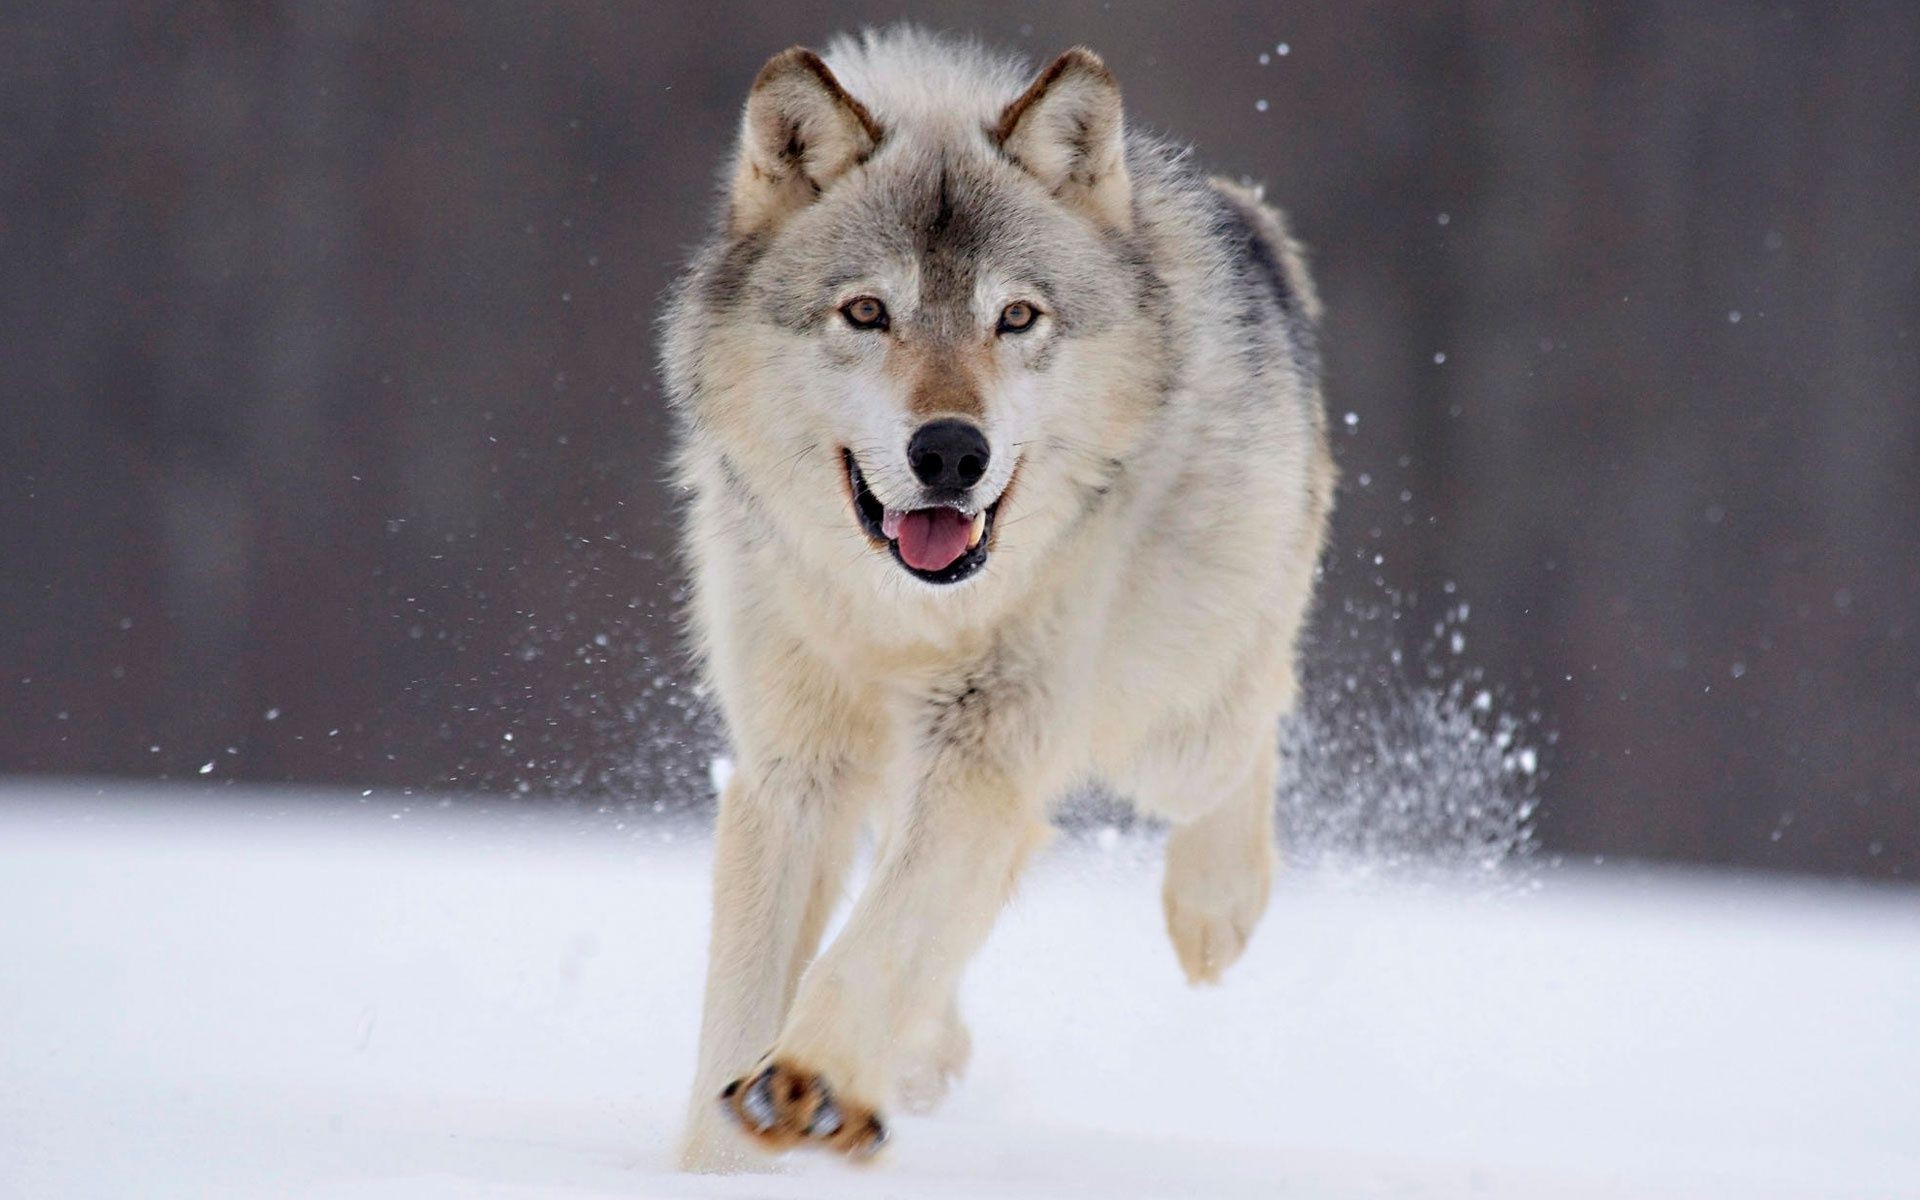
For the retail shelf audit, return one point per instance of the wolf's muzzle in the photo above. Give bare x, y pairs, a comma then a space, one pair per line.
941, 543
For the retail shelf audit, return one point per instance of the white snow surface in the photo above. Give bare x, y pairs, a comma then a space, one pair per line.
276, 995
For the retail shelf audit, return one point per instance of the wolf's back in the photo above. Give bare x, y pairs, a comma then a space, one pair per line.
1271, 249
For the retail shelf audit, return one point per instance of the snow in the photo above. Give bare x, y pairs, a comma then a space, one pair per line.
272, 994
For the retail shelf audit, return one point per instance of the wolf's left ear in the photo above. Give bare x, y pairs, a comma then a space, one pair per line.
800, 132
1068, 130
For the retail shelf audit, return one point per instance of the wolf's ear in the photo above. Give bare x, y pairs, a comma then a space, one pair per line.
1067, 129
800, 132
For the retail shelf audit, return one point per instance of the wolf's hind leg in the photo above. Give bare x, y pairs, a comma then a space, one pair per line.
1218, 874
935, 1045
934, 1055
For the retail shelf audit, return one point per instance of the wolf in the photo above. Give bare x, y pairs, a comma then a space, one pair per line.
1006, 468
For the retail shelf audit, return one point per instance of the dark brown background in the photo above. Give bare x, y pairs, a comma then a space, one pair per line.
326, 384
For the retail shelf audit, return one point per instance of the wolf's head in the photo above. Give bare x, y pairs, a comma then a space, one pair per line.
926, 338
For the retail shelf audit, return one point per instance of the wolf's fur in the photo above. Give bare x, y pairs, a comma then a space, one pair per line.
1159, 448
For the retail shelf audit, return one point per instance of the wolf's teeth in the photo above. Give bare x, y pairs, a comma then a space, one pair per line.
979, 529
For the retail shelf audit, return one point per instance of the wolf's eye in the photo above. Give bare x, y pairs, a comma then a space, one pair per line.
865, 312
1018, 317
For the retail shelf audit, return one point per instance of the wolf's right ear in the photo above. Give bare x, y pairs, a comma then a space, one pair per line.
800, 132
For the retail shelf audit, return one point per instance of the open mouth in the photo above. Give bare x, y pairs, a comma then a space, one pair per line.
940, 544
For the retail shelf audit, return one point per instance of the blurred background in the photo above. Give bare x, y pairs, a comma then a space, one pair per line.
332, 450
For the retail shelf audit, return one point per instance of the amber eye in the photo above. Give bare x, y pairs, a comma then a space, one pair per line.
1018, 317
865, 312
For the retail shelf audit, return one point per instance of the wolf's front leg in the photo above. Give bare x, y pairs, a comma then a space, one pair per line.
944, 874
780, 855
1219, 871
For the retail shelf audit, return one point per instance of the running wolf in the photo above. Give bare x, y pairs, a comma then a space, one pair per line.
1007, 471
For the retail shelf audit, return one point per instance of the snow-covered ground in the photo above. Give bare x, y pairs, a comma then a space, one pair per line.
265, 995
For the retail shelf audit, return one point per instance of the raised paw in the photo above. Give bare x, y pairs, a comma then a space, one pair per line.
1207, 943
783, 1106
1214, 895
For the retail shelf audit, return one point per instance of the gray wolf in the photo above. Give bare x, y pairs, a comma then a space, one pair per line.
1007, 469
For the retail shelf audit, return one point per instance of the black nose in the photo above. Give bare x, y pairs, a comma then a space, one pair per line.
948, 454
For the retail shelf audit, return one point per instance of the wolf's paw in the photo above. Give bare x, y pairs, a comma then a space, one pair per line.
935, 1062
1213, 896
783, 1106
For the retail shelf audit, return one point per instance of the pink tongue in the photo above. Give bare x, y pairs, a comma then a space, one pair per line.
931, 538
